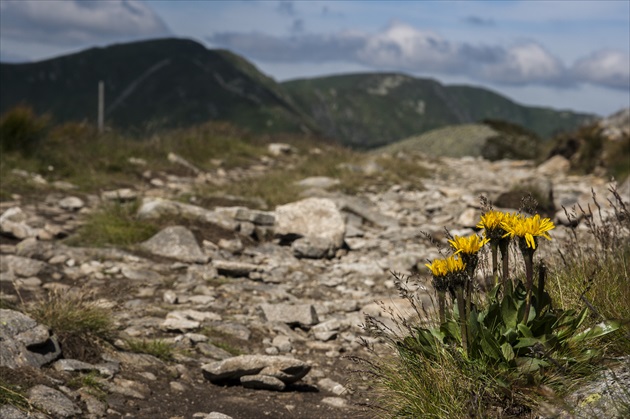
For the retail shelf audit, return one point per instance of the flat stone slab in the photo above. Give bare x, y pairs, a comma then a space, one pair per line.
287, 370
291, 314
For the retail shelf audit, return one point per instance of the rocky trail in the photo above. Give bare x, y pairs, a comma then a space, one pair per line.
262, 308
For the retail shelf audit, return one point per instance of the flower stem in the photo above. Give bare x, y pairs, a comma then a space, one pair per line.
462, 317
503, 246
495, 267
542, 274
441, 305
528, 256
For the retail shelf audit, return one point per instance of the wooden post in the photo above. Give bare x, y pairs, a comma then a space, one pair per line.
101, 106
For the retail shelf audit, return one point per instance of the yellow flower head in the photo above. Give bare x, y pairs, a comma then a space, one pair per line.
454, 264
529, 228
491, 220
442, 267
437, 267
468, 245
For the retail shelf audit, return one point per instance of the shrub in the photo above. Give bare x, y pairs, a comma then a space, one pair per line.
21, 130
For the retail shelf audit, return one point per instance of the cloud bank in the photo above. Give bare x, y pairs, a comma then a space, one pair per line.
78, 22
402, 47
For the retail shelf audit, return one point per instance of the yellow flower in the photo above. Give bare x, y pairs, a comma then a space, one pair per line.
491, 220
442, 267
528, 228
437, 267
454, 264
468, 245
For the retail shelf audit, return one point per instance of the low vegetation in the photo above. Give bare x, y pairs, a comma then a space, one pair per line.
156, 347
79, 322
114, 224
535, 337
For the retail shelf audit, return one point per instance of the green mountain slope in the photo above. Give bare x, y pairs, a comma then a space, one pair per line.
158, 83
167, 83
372, 110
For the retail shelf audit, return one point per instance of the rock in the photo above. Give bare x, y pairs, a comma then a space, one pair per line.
154, 208
334, 401
260, 218
262, 382
53, 401
9, 412
312, 247
365, 210
313, 218
199, 316
71, 203
234, 268
129, 388
302, 314
21, 266
13, 224
14, 214
24, 342
239, 331
176, 242
170, 297
327, 330
120, 195
469, 218
174, 324
212, 351
278, 149
331, 386
213, 415
555, 166
320, 182
174, 158
288, 370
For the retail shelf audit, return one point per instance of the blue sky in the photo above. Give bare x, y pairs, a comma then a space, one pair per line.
562, 54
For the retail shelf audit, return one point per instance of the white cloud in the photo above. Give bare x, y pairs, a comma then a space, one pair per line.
78, 22
606, 68
523, 63
402, 47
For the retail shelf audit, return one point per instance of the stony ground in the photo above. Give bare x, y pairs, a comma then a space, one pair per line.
262, 324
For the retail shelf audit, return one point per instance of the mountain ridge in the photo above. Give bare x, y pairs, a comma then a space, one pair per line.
177, 82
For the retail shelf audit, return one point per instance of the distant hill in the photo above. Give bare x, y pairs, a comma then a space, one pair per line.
169, 83
492, 140
157, 83
451, 141
371, 110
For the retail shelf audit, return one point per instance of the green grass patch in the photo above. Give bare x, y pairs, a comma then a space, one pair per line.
593, 268
14, 396
114, 224
79, 322
221, 340
90, 382
156, 347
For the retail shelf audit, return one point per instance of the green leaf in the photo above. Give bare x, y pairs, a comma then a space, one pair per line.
509, 312
596, 331
508, 352
451, 330
490, 346
527, 365
527, 342
525, 331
